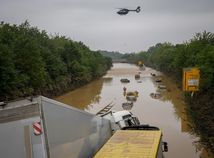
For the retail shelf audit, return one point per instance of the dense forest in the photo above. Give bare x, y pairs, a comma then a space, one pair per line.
171, 59
115, 56
32, 62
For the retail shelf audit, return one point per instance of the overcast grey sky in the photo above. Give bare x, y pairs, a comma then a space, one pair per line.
95, 22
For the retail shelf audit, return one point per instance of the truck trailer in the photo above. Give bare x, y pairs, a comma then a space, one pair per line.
44, 128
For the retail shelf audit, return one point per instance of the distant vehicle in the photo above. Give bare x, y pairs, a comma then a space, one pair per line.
137, 76
127, 105
158, 80
162, 87
124, 11
132, 96
124, 80
153, 74
155, 95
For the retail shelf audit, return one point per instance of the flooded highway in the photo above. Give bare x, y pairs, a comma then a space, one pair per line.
159, 103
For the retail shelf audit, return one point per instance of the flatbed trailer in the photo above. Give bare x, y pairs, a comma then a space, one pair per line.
133, 144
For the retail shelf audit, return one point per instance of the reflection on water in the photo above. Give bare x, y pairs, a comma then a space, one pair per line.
107, 79
167, 112
83, 97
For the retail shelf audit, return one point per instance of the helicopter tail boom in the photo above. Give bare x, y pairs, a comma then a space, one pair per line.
138, 9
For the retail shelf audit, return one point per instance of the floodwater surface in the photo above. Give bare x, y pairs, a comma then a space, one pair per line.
166, 111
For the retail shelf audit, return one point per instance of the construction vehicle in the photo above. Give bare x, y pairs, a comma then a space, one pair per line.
44, 128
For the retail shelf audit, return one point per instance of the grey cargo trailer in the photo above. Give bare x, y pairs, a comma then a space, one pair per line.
44, 128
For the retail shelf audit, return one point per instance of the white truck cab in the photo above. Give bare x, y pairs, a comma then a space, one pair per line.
121, 119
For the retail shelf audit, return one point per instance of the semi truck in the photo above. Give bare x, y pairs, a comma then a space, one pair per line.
39, 127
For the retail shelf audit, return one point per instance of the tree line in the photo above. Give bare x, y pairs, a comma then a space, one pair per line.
32, 62
171, 59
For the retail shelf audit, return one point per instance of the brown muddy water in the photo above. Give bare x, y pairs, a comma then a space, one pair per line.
167, 112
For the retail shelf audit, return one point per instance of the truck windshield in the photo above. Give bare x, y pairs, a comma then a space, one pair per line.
129, 121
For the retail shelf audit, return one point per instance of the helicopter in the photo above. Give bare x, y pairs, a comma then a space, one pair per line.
124, 11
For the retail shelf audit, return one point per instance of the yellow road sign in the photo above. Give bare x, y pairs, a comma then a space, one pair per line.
191, 78
140, 63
